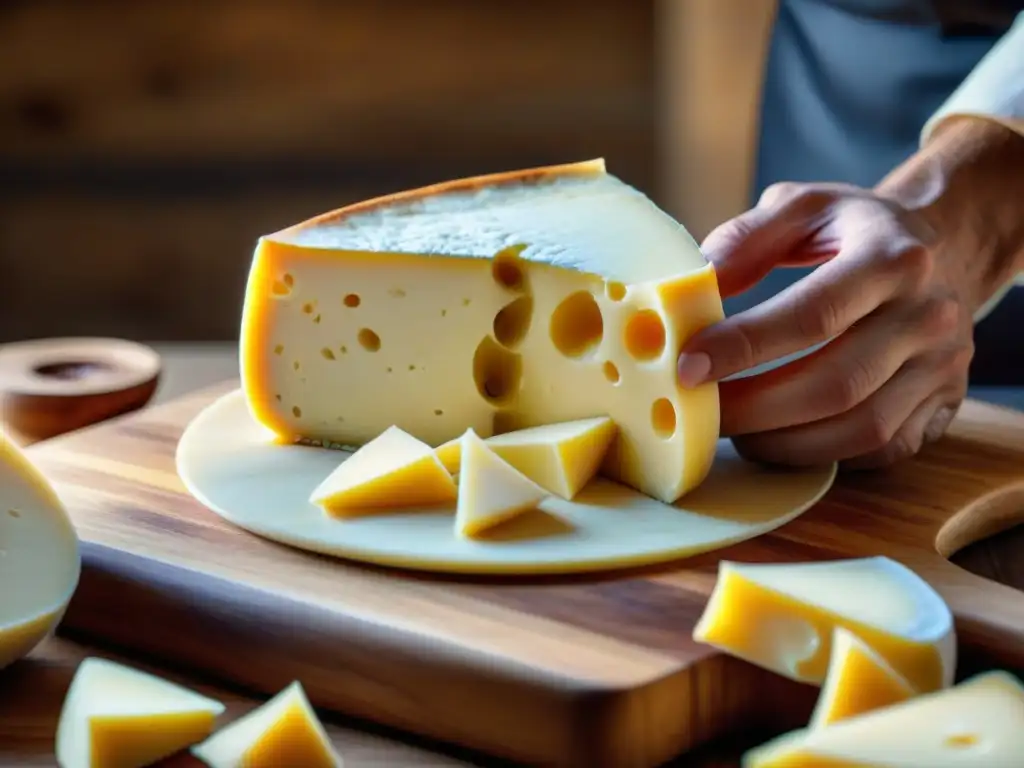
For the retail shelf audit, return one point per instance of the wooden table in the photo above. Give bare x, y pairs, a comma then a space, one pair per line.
32, 691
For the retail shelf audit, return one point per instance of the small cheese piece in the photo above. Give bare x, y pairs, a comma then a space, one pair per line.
393, 470
782, 616
976, 724
284, 731
494, 303
39, 555
491, 490
118, 717
560, 458
858, 681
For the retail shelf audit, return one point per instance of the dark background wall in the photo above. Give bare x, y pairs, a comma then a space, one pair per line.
145, 145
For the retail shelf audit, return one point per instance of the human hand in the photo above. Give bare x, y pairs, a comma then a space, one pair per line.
896, 298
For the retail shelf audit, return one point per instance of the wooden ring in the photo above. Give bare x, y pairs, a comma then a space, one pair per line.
52, 386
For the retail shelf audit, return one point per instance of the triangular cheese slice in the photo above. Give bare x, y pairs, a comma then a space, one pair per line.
123, 718
781, 616
858, 681
491, 490
392, 470
977, 724
561, 458
285, 731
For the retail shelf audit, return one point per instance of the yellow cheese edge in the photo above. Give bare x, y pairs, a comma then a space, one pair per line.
19, 639
740, 610
566, 484
858, 681
423, 481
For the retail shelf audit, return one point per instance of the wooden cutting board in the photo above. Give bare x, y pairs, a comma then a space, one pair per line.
583, 671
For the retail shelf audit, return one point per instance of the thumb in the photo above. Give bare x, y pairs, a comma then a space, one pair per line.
747, 247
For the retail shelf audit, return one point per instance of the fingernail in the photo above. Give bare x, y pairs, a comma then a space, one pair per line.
693, 368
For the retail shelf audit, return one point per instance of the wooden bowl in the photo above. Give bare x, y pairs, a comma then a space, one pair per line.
52, 386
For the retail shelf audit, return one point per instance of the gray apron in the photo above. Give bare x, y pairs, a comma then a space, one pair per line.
848, 86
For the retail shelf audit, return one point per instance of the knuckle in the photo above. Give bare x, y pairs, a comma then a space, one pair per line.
817, 320
850, 385
941, 317
878, 429
904, 445
742, 351
915, 263
777, 193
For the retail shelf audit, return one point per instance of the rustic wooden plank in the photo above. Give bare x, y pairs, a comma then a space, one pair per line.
591, 671
173, 269
400, 82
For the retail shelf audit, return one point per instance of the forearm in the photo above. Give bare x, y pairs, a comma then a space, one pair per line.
968, 183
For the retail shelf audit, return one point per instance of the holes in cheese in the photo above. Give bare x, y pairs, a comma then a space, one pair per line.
645, 335
351, 300
117, 716
39, 555
614, 290
513, 321
393, 470
782, 616
577, 326
497, 372
284, 731
368, 339
492, 328
491, 491
561, 458
979, 722
858, 681
507, 270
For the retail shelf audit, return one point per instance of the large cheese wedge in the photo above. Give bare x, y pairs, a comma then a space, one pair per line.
118, 717
977, 724
493, 303
782, 617
560, 458
491, 491
392, 470
284, 731
39, 555
858, 681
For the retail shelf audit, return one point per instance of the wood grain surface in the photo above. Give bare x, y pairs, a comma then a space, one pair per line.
586, 671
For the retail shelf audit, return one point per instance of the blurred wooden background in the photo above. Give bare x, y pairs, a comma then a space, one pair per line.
144, 145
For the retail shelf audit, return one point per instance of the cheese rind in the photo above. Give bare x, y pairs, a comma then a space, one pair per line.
782, 616
392, 470
118, 717
858, 681
978, 723
284, 731
492, 303
491, 491
560, 458
40, 560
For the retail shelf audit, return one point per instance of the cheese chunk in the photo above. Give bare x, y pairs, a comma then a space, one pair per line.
284, 731
494, 303
977, 724
858, 681
782, 616
118, 717
39, 555
392, 470
560, 458
491, 490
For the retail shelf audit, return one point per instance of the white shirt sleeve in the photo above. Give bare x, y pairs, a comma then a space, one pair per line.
994, 90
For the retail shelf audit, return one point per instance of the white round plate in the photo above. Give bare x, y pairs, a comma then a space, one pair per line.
240, 471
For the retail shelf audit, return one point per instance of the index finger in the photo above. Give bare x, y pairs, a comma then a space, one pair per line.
811, 311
